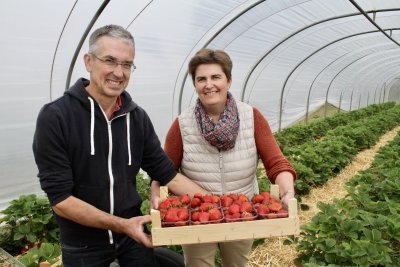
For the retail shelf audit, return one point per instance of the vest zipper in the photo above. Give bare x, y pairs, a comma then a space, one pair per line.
223, 186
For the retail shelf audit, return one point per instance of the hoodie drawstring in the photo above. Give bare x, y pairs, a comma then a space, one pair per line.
91, 126
128, 136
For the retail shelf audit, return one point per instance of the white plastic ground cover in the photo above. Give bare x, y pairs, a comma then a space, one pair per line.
290, 57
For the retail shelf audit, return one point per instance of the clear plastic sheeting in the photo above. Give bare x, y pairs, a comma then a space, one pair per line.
290, 58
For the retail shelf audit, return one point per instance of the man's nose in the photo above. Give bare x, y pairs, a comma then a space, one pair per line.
118, 71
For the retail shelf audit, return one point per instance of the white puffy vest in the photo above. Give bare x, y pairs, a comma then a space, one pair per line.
232, 171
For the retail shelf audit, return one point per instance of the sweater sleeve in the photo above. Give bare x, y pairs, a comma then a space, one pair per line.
49, 149
269, 151
155, 161
174, 144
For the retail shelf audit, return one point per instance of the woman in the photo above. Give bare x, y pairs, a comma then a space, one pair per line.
217, 144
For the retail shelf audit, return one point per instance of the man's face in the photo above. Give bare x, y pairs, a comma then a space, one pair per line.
107, 81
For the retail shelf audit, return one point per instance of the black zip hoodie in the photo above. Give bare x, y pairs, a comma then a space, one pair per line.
79, 152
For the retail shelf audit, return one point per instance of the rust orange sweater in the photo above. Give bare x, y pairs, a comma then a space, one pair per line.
267, 148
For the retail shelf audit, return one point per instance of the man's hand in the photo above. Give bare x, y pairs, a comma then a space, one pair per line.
134, 228
83, 213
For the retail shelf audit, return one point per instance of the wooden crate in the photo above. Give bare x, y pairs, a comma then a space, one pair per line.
194, 234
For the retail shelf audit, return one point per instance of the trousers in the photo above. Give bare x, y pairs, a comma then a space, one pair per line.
234, 254
126, 251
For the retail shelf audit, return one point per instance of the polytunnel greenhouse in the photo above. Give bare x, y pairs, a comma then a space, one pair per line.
291, 59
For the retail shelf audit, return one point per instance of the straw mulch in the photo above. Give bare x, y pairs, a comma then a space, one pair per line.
273, 253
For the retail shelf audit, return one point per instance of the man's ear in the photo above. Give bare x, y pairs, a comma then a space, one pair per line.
88, 59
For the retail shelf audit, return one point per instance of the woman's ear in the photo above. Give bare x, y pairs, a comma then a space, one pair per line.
229, 84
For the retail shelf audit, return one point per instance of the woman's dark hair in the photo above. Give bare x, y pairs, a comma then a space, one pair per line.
209, 56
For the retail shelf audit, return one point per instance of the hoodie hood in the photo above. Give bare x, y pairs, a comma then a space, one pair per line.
79, 92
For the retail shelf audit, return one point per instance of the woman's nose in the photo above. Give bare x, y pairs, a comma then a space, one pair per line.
209, 84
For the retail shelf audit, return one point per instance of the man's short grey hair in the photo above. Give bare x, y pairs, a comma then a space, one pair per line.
115, 31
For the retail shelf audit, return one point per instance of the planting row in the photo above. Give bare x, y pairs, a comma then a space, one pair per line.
316, 162
364, 228
302, 133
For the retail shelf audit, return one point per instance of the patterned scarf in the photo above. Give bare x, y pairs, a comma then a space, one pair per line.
223, 134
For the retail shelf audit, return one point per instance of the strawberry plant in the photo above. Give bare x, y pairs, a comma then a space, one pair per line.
27, 221
45, 253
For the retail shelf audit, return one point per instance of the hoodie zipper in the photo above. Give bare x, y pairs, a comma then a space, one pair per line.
109, 160
109, 167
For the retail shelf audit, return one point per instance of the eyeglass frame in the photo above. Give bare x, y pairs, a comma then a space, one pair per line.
111, 62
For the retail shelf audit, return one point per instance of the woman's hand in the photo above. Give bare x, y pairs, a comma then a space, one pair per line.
286, 196
155, 194
285, 180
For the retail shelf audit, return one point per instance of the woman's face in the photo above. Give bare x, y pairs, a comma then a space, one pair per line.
212, 86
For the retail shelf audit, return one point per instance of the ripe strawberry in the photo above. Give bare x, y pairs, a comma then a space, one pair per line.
266, 195
233, 196
195, 216
207, 198
171, 217
266, 201
195, 202
198, 195
207, 206
274, 207
175, 202
183, 214
204, 217
185, 200
173, 210
215, 214
273, 200
215, 199
243, 198
246, 207
164, 204
262, 209
226, 201
257, 199
234, 208
237, 202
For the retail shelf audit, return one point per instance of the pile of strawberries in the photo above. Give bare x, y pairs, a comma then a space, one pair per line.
206, 209
175, 211
237, 207
268, 207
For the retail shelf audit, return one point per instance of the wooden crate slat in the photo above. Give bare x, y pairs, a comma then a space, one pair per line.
224, 231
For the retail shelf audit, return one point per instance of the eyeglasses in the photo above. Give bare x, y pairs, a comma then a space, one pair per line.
112, 63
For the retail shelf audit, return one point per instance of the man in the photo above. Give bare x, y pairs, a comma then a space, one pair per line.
89, 146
